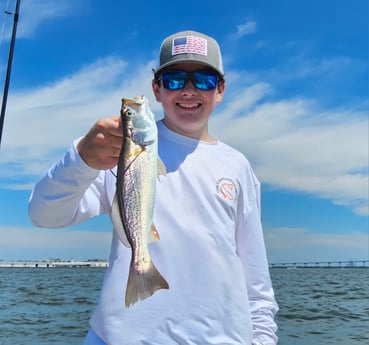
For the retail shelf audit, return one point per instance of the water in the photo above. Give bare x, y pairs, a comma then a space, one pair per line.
52, 305
47, 305
322, 305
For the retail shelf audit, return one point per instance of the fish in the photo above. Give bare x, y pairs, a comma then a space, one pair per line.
132, 209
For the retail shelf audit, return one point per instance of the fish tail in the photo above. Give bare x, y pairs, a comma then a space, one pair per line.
143, 285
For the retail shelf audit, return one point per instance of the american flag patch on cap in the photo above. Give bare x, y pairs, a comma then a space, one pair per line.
189, 44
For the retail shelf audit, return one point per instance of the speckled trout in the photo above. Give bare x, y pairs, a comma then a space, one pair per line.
132, 209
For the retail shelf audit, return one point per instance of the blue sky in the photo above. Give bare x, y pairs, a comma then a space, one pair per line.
296, 105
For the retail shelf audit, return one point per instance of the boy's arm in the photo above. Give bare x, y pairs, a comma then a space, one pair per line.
251, 249
68, 193
73, 189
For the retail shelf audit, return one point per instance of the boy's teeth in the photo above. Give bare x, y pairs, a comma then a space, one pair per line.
188, 105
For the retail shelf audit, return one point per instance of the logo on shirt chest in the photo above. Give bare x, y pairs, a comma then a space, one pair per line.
227, 189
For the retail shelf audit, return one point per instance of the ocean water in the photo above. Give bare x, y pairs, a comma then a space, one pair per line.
53, 305
322, 305
47, 305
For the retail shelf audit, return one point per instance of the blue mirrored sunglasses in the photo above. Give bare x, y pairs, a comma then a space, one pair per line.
176, 80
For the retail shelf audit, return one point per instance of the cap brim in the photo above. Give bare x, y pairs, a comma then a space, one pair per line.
184, 61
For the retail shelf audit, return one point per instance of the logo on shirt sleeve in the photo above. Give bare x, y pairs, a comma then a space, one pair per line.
227, 189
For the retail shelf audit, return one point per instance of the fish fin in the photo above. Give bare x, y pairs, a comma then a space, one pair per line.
154, 235
138, 149
143, 285
162, 170
132, 156
117, 222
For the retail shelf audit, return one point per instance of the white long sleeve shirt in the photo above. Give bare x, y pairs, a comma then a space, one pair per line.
211, 249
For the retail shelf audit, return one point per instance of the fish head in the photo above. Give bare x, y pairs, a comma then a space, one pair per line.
143, 126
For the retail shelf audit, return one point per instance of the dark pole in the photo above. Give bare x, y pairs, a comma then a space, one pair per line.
8, 71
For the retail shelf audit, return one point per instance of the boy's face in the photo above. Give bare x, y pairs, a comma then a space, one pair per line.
186, 111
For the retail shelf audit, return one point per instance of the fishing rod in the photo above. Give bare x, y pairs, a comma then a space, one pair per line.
8, 71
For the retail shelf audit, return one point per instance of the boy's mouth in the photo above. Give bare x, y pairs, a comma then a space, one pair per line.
189, 105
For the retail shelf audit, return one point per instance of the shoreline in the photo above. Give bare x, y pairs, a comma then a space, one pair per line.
100, 263
54, 263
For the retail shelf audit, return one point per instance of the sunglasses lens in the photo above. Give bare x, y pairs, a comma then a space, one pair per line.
176, 80
205, 80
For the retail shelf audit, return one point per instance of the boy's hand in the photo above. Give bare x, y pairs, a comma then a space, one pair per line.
100, 147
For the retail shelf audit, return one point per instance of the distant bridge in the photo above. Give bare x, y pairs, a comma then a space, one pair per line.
323, 264
53, 263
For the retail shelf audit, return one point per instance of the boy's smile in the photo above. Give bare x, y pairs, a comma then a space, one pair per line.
187, 110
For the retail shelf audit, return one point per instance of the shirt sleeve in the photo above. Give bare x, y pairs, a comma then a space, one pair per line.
69, 193
251, 250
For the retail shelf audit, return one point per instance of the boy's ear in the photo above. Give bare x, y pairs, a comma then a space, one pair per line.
220, 90
156, 90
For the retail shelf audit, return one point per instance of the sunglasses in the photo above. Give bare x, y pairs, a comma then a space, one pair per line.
176, 80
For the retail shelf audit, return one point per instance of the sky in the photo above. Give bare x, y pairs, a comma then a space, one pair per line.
296, 105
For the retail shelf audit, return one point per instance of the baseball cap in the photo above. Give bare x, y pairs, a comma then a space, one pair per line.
190, 46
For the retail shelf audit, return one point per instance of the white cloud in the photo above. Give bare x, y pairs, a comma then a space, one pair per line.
287, 245
39, 244
293, 143
42, 123
284, 245
247, 28
33, 13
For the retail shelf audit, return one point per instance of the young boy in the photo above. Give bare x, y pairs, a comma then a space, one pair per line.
207, 211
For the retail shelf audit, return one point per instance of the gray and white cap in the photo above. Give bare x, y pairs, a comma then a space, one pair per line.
190, 47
